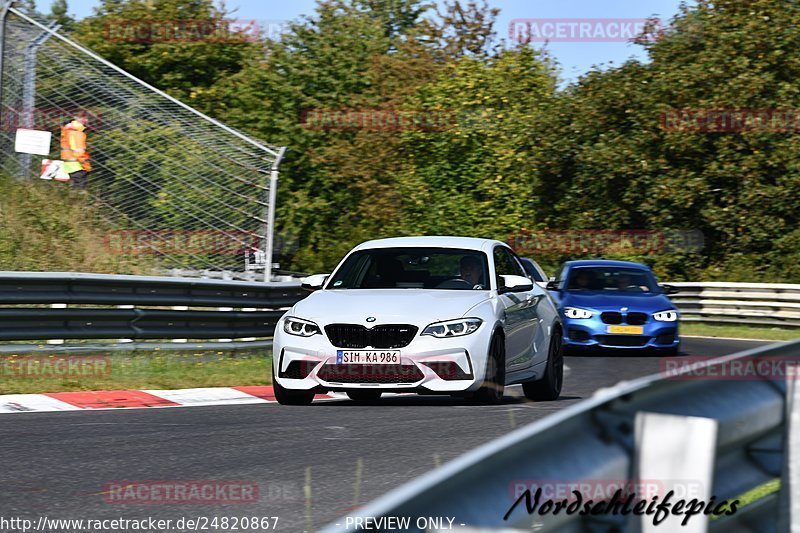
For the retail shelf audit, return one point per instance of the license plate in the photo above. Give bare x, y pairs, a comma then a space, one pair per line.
367, 357
626, 330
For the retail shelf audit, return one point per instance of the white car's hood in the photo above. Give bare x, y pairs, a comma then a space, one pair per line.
388, 306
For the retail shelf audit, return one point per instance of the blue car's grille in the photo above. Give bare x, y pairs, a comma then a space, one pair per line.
613, 317
636, 319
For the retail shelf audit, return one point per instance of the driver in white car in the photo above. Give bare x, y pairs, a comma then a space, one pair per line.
471, 271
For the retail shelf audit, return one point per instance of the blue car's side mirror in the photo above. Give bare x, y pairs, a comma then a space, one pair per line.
669, 289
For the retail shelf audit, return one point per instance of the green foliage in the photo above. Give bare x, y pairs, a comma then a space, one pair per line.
476, 177
59, 13
610, 164
519, 154
181, 46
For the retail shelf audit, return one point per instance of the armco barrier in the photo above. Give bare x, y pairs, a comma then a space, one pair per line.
770, 304
723, 437
208, 309
132, 307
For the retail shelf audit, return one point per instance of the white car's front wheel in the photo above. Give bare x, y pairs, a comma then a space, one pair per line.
549, 387
491, 391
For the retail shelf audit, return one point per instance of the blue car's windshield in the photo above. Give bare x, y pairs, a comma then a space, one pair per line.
617, 279
413, 268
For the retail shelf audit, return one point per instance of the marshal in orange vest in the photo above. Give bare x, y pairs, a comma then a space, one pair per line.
73, 147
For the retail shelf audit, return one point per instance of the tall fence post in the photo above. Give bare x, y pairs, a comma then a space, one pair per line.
270, 230
29, 93
5, 5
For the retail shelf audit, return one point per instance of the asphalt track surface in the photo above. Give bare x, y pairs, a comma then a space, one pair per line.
312, 464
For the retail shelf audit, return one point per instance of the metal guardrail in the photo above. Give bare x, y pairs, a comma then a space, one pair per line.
769, 304
251, 275
214, 305
132, 307
721, 436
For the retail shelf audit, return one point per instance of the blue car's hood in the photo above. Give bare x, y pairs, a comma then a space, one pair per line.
611, 300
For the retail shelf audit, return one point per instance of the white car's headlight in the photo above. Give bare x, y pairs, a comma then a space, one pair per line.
300, 327
666, 316
577, 312
453, 328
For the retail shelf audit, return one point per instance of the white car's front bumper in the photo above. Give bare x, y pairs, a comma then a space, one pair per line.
459, 361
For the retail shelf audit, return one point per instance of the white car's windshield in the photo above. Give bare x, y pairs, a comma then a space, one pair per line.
413, 268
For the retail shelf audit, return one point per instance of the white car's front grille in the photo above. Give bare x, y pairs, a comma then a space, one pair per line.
354, 336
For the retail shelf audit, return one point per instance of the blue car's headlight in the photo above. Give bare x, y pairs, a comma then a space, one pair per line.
300, 327
453, 328
577, 312
670, 315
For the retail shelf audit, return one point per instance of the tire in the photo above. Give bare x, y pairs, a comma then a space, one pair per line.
491, 391
290, 397
364, 396
549, 387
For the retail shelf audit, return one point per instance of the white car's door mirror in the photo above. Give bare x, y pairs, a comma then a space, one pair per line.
314, 283
513, 283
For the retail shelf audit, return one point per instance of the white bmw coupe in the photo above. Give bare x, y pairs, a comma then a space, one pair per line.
431, 315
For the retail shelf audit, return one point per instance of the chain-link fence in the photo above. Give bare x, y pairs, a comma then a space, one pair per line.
173, 182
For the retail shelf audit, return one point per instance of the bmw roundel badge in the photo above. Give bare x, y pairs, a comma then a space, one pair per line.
371, 319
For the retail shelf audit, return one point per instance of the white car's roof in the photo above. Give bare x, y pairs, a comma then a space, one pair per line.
466, 243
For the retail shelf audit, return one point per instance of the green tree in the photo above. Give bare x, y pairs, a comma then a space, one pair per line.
608, 163
59, 13
180, 46
477, 177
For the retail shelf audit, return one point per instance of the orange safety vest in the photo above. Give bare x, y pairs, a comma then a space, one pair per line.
73, 148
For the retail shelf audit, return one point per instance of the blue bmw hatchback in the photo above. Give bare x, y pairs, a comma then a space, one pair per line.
614, 304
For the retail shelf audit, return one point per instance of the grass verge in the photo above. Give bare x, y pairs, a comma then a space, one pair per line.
47, 226
740, 331
157, 370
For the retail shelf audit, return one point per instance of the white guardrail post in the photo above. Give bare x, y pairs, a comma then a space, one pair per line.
675, 453
789, 520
